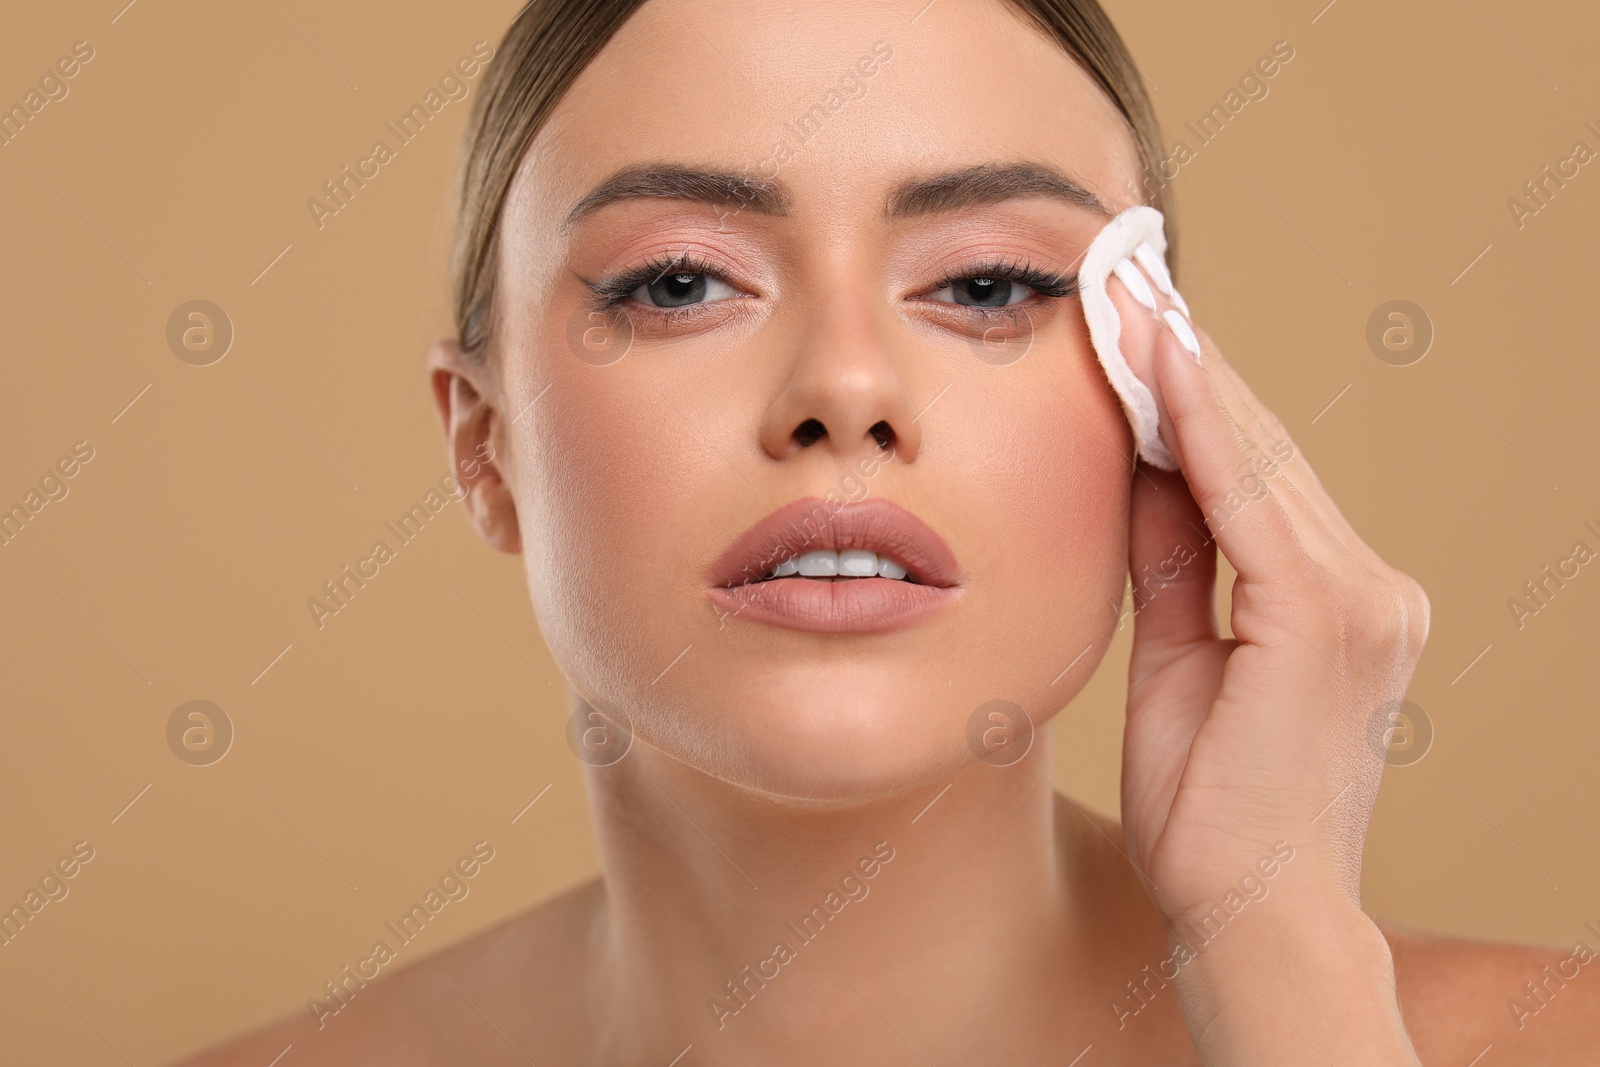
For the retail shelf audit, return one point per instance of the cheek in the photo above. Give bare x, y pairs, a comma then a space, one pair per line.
1085, 466
1060, 544
609, 476
621, 479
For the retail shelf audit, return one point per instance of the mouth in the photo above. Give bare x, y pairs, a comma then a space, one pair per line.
843, 565
859, 567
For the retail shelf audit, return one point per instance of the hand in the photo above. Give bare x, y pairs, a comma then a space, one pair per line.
1235, 745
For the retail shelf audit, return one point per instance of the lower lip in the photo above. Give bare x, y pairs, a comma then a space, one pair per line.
849, 605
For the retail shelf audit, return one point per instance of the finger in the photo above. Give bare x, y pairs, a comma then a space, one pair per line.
1278, 461
1139, 305
1267, 536
1288, 463
1145, 280
1149, 305
1172, 563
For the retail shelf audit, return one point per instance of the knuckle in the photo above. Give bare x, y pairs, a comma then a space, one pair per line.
1418, 613
1368, 614
1387, 614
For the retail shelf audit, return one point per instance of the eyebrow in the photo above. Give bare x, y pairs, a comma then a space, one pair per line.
974, 186
720, 188
988, 183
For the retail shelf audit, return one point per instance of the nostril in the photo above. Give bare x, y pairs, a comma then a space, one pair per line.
810, 432
882, 434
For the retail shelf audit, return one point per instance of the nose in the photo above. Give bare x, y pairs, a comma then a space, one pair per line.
847, 392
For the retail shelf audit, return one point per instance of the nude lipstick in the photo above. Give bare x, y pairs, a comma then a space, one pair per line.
860, 567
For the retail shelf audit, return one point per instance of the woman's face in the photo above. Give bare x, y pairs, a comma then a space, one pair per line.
803, 339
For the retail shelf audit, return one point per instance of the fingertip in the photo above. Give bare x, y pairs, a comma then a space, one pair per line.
1136, 283
1179, 327
1182, 379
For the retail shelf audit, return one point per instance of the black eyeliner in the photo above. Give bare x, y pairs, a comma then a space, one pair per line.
612, 291
1045, 283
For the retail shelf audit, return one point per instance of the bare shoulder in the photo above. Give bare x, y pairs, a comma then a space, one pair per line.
1531, 1005
1527, 1005
485, 1000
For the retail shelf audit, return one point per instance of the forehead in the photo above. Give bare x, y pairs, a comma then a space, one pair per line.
841, 100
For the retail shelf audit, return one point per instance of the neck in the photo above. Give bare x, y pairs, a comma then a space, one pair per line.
739, 922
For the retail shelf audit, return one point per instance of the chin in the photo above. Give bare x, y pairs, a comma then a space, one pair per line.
825, 718
826, 732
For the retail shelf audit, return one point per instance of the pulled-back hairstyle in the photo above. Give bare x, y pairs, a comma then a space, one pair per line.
550, 43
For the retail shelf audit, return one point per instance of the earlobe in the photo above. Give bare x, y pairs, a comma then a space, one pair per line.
475, 444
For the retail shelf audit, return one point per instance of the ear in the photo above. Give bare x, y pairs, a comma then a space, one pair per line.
474, 438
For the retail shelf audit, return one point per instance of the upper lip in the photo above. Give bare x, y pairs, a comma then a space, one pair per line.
811, 523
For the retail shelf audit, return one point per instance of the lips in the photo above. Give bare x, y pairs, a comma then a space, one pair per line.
839, 605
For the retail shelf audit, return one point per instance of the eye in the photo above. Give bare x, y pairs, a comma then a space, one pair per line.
983, 292
667, 284
681, 288
1002, 285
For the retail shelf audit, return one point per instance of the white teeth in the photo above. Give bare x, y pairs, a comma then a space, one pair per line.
819, 564
847, 563
858, 563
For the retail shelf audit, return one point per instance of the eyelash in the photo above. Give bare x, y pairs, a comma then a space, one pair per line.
610, 292
1052, 285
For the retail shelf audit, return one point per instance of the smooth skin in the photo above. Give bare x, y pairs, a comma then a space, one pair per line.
767, 763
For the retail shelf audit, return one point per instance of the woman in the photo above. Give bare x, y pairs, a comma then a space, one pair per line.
755, 297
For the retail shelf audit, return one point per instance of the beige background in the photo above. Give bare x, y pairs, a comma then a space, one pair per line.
422, 718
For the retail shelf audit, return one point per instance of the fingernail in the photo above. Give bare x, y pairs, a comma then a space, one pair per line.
1152, 262
1183, 332
1135, 282
1155, 266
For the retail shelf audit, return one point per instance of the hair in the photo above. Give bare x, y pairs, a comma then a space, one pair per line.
550, 43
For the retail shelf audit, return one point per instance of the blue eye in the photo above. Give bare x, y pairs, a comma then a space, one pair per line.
1000, 285
984, 292
682, 288
678, 282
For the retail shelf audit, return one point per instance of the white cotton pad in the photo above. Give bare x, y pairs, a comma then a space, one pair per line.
1123, 234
